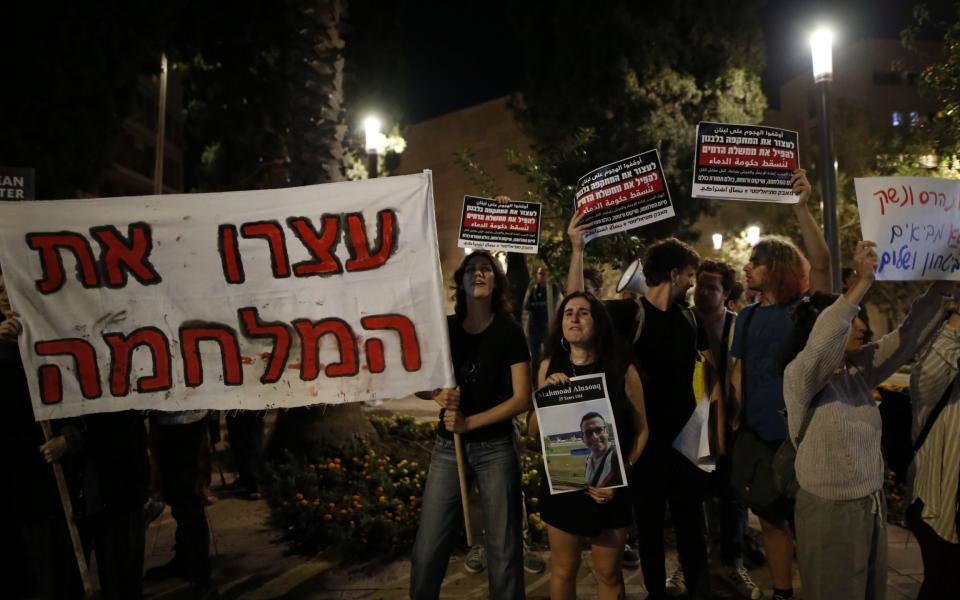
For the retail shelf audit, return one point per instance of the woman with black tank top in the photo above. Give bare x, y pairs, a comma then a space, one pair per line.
583, 342
492, 367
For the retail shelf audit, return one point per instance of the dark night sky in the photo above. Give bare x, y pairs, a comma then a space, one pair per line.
459, 54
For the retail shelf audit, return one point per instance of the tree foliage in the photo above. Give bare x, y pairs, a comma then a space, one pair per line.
602, 85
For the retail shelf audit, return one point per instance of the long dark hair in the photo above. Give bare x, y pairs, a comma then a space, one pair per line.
612, 354
500, 301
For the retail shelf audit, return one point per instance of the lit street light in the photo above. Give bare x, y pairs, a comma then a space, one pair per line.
717, 241
374, 141
753, 235
821, 50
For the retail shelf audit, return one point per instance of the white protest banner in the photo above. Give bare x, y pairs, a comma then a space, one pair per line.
270, 298
745, 162
508, 227
915, 222
579, 436
623, 195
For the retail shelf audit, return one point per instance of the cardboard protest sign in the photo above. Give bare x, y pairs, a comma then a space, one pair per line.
745, 162
915, 222
624, 195
510, 227
579, 436
269, 298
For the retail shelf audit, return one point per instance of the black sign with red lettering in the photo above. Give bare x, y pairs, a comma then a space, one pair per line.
745, 162
495, 226
624, 195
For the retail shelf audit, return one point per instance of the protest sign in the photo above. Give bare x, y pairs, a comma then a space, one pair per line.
623, 195
578, 435
745, 162
269, 298
915, 222
509, 227
16, 183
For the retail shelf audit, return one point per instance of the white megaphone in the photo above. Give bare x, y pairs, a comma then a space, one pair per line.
632, 279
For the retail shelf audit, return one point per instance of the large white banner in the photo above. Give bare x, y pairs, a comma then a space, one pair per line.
915, 222
272, 298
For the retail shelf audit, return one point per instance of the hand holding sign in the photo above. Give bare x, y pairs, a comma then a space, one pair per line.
576, 231
865, 261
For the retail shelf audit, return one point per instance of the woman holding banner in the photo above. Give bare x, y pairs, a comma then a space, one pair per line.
583, 342
492, 367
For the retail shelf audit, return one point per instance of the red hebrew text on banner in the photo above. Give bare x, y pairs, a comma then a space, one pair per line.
249, 300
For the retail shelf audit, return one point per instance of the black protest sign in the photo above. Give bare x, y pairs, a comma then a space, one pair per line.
495, 226
745, 162
16, 184
623, 195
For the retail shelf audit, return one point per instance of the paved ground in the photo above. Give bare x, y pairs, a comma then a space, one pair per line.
250, 561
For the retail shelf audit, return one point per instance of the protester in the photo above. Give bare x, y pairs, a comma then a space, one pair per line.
179, 440
667, 343
780, 273
245, 433
539, 306
584, 342
492, 368
736, 298
935, 474
110, 450
593, 281
841, 509
715, 283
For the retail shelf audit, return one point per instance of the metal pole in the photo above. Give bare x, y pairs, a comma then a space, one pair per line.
828, 177
161, 127
372, 164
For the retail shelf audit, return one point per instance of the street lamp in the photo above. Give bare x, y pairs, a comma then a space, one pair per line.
821, 50
374, 140
717, 241
753, 235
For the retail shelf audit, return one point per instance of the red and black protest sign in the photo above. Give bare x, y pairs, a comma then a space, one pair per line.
745, 162
495, 226
624, 195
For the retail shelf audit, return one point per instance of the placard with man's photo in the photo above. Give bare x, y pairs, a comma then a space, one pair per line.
578, 435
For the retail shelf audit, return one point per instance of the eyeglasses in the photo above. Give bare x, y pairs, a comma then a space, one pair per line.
597, 431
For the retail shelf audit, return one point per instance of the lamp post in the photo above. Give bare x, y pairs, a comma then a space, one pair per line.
821, 49
371, 129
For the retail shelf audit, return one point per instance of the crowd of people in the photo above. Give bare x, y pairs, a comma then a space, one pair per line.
786, 366
789, 370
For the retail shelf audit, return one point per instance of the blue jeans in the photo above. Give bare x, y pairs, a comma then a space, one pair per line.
495, 466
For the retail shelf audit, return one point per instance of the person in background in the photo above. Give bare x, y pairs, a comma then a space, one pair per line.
584, 342
593, 282
835, 425
492, 368
539, 306
935, 472
715, 283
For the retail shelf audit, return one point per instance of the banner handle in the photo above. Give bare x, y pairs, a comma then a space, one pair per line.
462, 475
68, 513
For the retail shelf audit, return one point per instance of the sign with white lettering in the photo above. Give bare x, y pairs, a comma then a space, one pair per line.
16, 183
915, 222
578, 434
268, 298
507, 227
623, 195
745, 162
